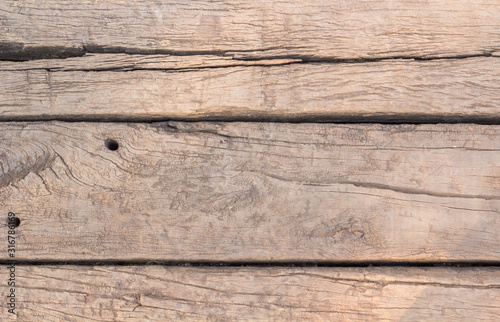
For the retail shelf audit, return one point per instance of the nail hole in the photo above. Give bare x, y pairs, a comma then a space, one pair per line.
112, 145
14, 221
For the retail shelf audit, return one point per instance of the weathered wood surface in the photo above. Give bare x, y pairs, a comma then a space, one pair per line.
251, 29
252, 191
155, 293
259, 60
142, 87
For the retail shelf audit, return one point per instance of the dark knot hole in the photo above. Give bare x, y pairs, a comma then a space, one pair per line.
112, 144
14, 221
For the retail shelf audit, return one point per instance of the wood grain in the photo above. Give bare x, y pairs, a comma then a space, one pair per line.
155, 293
135, 87
251, 29
252, 191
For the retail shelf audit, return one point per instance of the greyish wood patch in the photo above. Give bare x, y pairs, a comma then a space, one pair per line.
156, 293
252, 191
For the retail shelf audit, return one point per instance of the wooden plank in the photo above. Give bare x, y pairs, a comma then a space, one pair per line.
251, 29
252, 191
204, 87
156, 293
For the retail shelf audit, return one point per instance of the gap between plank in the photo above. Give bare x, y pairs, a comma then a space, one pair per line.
250, 263
415, 119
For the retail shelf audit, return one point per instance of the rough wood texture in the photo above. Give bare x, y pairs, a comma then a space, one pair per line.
215, 60
197, 87
251, 29
252, 191
117, 293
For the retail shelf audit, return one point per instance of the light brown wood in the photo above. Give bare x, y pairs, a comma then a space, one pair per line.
251, 29
201, 87
252, 191
155, 293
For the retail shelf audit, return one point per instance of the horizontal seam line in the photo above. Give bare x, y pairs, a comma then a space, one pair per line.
277, 263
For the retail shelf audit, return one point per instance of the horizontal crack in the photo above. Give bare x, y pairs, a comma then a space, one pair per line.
262, 117
418, 191
304, 59
20, 52
279, 62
